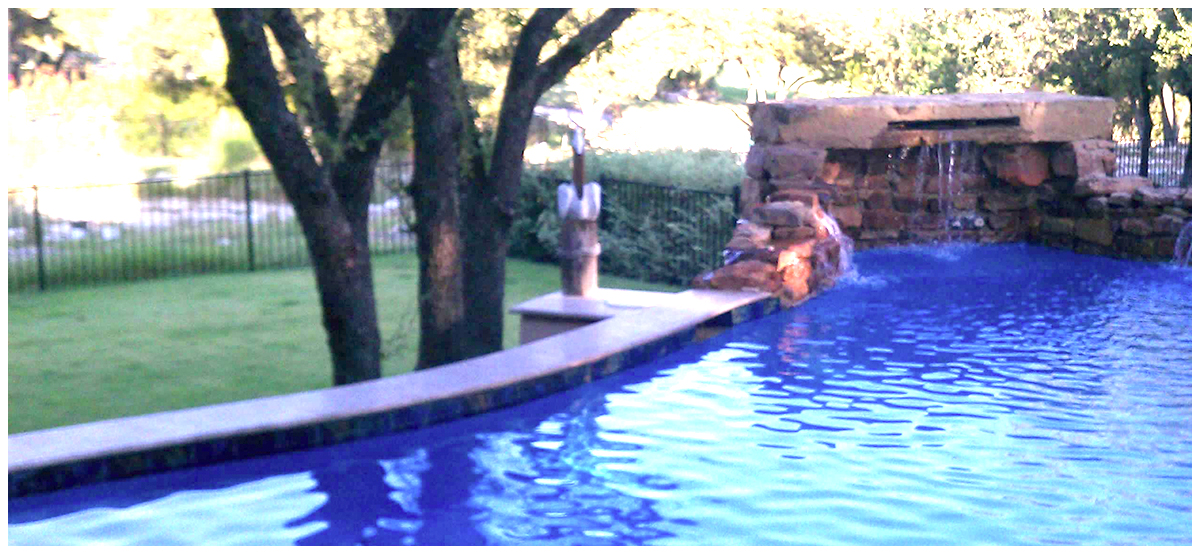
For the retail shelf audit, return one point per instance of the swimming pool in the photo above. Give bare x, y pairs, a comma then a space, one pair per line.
958, 394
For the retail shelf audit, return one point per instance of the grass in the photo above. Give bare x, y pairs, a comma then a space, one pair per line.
134, 348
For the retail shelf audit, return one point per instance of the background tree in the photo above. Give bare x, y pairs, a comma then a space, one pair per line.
1174, 58
1111, 52
176, 89
28, 32
326, 173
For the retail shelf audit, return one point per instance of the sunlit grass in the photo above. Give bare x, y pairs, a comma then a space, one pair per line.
133, 348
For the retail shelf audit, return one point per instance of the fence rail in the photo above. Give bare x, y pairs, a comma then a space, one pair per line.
60, 237
234, 222
1167, 160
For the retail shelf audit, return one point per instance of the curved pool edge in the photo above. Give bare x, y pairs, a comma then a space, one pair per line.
71, 456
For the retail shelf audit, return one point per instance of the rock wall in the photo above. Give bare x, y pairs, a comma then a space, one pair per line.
1036, 169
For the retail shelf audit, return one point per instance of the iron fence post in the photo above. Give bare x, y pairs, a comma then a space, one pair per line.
736, 195
37, 233
249, 220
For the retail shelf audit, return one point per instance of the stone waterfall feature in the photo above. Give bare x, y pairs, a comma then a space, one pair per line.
1032, 167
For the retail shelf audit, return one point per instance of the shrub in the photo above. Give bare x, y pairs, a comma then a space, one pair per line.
693, 169
647, 232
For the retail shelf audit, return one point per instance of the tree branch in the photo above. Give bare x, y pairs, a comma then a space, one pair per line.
534, 36
589, 37
388, 85
314, 92
253, 83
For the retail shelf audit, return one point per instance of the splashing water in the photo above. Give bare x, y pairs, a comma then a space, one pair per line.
845, 259
1185, 236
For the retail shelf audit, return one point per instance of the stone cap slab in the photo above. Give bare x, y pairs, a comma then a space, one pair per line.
497, 373
603, 304
872, 122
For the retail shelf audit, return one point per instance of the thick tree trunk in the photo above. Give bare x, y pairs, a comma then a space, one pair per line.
437, 132
342, 265
490, 213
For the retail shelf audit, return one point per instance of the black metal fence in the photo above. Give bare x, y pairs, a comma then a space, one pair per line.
234, 222
1167, 160
60, 237
651, 232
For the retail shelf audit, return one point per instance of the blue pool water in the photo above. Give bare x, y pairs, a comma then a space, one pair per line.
945, 395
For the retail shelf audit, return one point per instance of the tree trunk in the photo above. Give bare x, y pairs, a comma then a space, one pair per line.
437, 130
1186, 179
336, 234
1169, 118
491, 202
1145, 123
342, 265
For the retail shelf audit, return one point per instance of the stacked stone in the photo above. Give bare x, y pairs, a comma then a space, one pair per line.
1124, 217
783, 248
1088, 210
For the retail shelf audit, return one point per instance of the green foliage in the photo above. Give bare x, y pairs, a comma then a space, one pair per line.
694, 169
651, 233
170, 105
167, 120
666, 247
232, 146
1109, 51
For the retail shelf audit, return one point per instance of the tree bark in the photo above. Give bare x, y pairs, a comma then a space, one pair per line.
437, 132
492, 201
331, 196
1145, 96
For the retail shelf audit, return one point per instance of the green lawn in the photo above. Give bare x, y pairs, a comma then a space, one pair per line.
117, 350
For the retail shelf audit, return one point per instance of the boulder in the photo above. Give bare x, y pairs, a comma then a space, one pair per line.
1095, 231
750, 195
759, 235
783, 161
1120, 199
808, 196
848, 217
1085, 158
1095, 186
1154, 196
1136, 226
878, 200
792, 234
794, 282
749, 274
1000, 201
964, 201
883, 219
795, 253
743, 243
1021, 164
1169, 225
785, 214
1058, 226
906, 203
1096, 206
830, 172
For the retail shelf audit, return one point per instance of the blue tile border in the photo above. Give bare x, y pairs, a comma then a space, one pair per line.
90, 471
